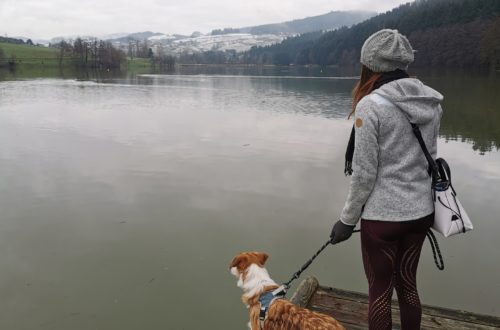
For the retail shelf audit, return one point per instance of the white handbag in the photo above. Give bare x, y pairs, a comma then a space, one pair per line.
450, 217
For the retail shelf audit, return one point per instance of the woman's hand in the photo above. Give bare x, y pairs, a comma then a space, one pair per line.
340, 232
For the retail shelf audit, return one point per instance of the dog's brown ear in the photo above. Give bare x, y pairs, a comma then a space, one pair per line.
240, 262
262, 257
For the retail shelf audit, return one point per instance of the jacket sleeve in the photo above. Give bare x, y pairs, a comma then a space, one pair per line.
365, 163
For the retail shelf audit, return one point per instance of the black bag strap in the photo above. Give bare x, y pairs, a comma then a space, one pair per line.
432, 164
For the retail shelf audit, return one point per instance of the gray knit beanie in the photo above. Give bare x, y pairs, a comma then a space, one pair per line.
386, 50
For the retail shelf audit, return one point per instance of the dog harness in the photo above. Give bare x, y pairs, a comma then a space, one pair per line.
266, 299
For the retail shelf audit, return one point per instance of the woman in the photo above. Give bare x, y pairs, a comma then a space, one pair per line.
390, 186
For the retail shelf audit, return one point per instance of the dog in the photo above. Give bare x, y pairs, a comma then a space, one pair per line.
255, 281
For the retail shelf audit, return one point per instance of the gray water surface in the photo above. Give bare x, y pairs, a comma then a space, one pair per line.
123, 200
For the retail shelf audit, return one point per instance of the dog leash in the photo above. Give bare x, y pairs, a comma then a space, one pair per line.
285, 286
436, 251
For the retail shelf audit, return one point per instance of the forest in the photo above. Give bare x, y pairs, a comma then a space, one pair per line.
94, 53
445, 33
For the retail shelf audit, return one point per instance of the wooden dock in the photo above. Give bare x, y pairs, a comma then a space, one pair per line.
351, 309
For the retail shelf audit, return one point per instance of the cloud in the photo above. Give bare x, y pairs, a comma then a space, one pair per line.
49, 18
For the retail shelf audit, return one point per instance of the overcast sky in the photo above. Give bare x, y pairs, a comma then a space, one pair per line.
50, 18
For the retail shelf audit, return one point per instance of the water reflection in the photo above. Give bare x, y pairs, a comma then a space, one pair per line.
471, 99
471, 104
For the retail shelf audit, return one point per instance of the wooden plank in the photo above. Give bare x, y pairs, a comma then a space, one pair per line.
432, 317
351, 313
351, 309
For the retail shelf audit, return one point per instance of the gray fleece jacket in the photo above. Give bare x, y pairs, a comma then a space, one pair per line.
390, 177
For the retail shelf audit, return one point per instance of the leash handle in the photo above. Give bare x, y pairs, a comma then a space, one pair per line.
435, 250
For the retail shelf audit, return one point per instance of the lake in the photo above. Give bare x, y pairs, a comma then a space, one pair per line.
124, 198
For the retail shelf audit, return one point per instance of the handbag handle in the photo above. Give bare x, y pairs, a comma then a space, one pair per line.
445, 172
444, 169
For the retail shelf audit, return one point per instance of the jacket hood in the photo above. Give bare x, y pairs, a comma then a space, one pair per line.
418, 101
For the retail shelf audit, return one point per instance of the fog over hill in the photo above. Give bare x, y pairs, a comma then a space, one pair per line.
330, 21
242, 39
231, 39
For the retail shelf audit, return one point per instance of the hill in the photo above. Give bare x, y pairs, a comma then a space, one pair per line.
11, 40
330, 21
235, 40
456, 33
136, 36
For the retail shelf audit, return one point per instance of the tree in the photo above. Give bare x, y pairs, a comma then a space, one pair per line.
163, 62
445, 32
79, 50
145, 49
64, 50
490, 46
93, 52
3, 58
282, 59
130, 50
225, 31
29, 42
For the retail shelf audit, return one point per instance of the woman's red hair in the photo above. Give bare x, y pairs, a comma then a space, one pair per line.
364, 86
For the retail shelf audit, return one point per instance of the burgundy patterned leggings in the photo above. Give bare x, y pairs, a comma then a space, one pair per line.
391, 251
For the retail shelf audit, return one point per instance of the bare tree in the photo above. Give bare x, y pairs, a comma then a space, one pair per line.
130, 50
79, 51
3, 58
145, 49
64, 50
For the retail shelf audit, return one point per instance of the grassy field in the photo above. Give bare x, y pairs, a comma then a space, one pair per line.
26, 51
137, 65
37, 57
31, 55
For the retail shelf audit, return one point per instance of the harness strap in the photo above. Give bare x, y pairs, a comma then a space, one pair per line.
266, 300
262, 317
